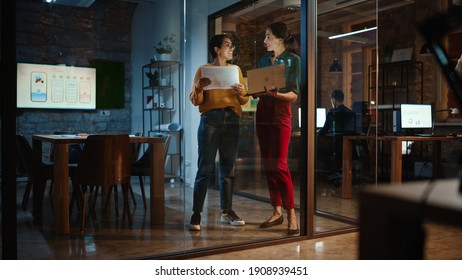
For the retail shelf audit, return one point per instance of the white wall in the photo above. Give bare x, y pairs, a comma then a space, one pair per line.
150, 24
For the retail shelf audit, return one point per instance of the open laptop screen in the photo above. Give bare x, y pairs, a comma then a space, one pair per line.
320, 117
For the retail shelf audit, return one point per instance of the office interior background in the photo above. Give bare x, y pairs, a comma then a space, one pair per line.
378, 50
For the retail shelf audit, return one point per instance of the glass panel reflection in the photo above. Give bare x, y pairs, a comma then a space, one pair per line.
346, 36
247, 26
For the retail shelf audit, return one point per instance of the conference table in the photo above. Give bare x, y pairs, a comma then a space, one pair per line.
61, 175
396, 157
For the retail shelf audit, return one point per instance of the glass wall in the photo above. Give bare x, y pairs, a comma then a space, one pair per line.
128, 34
346, 48
370, 53
346, 45
246, 24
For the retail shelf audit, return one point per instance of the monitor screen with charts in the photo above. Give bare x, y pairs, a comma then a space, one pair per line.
416, 116
320, 117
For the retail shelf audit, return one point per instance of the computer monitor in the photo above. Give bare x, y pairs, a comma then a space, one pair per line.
416, 116
320, 117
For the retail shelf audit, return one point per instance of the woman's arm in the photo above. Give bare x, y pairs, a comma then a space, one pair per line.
197, 93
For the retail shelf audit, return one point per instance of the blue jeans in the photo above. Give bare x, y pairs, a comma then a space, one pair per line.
218, 131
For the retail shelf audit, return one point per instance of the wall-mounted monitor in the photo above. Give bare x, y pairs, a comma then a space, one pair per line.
416, 116
44, 86
320, 117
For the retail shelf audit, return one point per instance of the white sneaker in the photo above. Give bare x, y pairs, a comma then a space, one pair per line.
229, 217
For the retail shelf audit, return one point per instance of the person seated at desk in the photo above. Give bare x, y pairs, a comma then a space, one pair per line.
340, 120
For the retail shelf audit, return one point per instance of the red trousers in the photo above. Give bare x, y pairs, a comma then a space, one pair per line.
273, 124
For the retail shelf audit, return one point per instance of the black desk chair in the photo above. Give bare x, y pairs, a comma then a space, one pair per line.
141, 167
344, 123
37, 173
331, 144
350, 123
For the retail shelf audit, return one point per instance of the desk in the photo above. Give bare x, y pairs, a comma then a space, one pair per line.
391, 216
61, 176
396, 161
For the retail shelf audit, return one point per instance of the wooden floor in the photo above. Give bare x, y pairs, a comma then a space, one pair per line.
109, 237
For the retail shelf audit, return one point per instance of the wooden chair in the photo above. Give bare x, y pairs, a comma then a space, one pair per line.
37, 173
104, 163
135, 150
141, 167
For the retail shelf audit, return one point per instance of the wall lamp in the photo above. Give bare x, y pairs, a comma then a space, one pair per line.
426, 50
335, 67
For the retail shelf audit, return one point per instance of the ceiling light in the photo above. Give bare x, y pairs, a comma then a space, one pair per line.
352, 33
76, 3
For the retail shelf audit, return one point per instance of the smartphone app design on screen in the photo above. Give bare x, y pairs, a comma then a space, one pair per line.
84, 92
57, 91
38, 87
71, 91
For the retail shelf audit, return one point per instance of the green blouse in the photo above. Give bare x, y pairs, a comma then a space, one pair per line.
292, 62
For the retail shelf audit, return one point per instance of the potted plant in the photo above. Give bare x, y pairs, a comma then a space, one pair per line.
153, 78
165, 46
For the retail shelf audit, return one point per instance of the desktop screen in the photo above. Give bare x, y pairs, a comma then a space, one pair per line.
320, 117
416, 116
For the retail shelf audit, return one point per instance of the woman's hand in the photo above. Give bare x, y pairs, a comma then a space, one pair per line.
271, 92
202, 82
238, 88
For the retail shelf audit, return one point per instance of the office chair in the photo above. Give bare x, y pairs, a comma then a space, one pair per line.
344, 123
37, 173
141, 167
104, 163
352, 123
363, 117
135, 150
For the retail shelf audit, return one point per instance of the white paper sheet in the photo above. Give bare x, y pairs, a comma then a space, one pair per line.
220, 76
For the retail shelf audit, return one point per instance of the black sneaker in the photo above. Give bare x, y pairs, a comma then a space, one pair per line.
195, 224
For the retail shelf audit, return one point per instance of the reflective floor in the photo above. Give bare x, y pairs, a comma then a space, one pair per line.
109, 237
442, 243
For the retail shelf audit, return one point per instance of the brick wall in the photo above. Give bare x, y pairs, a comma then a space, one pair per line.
59, 34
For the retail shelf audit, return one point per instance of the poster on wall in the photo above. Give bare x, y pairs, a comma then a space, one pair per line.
402, 55
43, 86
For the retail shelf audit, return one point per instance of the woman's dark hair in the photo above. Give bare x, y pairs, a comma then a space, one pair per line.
280, 30
216, 41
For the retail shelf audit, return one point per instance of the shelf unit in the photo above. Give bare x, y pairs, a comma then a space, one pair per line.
161, 110
397, 83
396, 80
